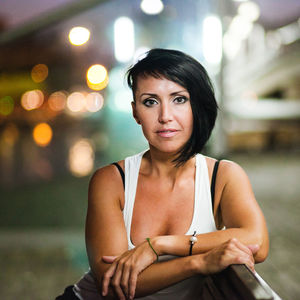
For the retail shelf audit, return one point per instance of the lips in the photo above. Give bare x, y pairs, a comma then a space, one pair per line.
167, 132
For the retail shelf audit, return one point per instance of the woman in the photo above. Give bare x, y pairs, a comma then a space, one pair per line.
171, 220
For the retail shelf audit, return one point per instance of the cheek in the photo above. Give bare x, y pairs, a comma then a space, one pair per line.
146, 117
146, 131
190, 117
145, 121
191, 122
186, 118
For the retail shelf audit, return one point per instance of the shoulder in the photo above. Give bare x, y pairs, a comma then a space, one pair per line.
227, 169
232, 173
233, 192
232, 181
106, 182
230, 178
108, 174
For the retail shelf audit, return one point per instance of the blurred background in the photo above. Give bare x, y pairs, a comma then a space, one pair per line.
65, 111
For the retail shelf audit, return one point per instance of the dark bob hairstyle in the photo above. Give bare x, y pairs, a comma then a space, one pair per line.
190, 74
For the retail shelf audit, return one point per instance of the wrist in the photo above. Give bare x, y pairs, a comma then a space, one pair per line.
152, 248
158, 244
197, 263
171, 245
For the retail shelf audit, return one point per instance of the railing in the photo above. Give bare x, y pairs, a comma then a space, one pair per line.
237, 282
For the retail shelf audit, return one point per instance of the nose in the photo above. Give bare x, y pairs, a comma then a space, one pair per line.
165, 114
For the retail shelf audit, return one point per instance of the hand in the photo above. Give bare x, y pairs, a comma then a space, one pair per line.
230, 252
124, 270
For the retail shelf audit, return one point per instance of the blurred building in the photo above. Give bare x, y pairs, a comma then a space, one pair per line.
261, 79
58, 116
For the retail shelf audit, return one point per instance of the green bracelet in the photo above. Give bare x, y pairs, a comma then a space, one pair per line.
148, 240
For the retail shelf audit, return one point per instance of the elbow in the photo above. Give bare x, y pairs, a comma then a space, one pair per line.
263, 251
260, 256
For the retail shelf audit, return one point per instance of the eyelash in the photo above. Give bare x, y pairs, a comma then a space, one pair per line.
181, 97
146, 102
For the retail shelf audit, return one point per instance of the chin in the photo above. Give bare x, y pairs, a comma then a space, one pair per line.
168, 149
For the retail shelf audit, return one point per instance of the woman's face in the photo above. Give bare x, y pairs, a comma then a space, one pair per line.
162, 107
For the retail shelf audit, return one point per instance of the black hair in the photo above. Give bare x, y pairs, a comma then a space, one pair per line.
189, 73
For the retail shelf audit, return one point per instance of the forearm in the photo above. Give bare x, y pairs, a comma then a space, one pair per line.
157, 276
179, 244
163, 274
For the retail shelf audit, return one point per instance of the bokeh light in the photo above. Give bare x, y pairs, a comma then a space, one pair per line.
39, 73
94, 102
81, 158
79, 35
57, 101
212, 39
6, 105
42, 134
76, 102
124, 40
240, 27
32, 99
97, 77
152, 7
249, 10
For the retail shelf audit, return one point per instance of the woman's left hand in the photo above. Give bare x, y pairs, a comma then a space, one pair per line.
124, 270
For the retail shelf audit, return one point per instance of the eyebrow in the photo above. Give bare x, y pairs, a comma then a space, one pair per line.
172, 94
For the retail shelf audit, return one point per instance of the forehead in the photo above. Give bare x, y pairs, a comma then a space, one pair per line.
149, 83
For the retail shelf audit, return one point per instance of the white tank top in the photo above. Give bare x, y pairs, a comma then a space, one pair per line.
202, 222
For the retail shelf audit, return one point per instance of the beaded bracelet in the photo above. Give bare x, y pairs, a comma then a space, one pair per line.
193, 240
148, 240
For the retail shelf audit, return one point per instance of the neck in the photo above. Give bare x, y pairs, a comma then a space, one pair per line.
161, 164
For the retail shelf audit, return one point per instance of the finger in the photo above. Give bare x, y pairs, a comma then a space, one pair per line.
109, 259
125, 278
250, 265
241, 246
237, 253
116, 281
107, 277
246, 259
119, 292
247, 256
132, 284
253, 248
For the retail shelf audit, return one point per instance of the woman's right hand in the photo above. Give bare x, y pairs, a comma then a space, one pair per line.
228, 253
124, 270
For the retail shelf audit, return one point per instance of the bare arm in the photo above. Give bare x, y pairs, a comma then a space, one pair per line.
105, 229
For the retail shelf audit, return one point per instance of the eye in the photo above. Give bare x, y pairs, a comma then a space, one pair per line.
180, 99
149, 102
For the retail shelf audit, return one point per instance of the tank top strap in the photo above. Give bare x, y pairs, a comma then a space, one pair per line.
132, 168
203, 220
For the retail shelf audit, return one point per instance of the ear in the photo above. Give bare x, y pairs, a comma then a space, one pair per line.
134, 113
